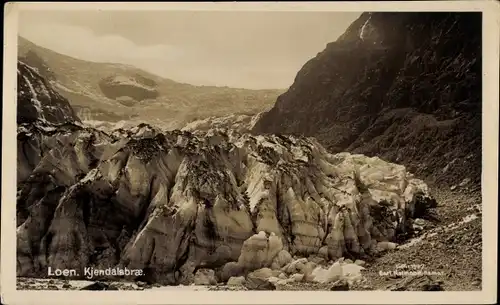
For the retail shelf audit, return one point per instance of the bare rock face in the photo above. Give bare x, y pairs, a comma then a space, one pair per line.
38, 101
172, 203
402, 86
205, 277
128, 89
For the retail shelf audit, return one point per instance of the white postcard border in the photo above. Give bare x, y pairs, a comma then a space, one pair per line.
491, 35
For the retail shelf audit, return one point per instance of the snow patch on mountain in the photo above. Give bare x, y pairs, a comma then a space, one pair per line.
241, 123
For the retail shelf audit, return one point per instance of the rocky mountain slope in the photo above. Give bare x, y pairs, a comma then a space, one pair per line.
38, 101
404, 87
115, 92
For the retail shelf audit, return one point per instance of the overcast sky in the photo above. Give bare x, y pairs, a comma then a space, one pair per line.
235, 49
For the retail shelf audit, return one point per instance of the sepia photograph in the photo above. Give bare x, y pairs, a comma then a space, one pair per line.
243, 149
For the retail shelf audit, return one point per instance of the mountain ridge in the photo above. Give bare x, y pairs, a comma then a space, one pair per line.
31, 45
84, 84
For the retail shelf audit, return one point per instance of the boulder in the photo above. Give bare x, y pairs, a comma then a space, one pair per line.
265, 273
231, 269
236, 281
205, 277
273, 280
281, 259
66, 286
52, 287
295, 266
419, 222
360, 262
258, 283
308, 268
297, 277
323, 252
340, 285
318, 260
386, 246
331, 274
141, 284
99, 286
352, 272
340, 270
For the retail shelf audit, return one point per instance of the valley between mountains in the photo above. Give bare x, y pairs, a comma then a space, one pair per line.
368, 164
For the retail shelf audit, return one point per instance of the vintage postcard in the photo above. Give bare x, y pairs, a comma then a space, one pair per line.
250, 153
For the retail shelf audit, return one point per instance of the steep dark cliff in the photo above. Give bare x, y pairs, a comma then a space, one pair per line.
38, 101
402, 86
